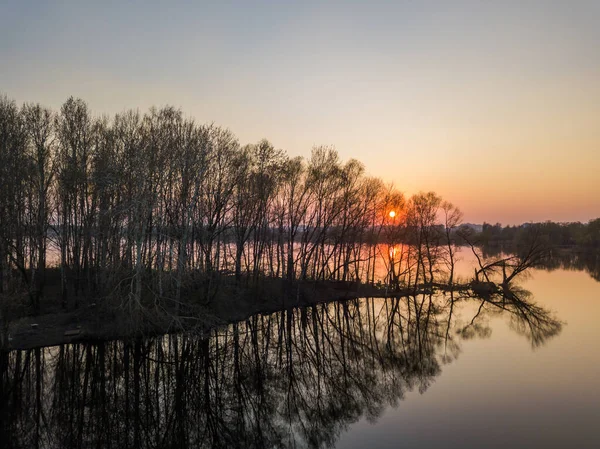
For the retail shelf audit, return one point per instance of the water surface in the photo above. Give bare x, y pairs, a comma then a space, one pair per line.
502, 392
425, 371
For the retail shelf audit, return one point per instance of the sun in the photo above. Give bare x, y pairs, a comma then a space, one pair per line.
392, 213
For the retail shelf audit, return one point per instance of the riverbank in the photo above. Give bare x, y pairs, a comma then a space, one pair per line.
91, 322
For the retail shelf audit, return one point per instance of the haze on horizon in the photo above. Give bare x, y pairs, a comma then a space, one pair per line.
494, 105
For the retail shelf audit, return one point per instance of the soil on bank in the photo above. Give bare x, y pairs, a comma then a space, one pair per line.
91, 322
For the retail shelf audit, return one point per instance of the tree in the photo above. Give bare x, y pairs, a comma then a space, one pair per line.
452, 217
39, 128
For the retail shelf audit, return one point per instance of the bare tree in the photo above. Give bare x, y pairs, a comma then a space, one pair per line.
452, 217
39, 128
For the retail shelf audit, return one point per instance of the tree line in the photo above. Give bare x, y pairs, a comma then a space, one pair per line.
139, 209
584, 236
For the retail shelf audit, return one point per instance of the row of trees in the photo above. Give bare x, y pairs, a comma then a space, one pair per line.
583, 235
147, 205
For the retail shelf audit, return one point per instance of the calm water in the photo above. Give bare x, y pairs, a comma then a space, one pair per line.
429, 371
502, 392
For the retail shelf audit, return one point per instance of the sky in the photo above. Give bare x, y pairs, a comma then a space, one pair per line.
493, 105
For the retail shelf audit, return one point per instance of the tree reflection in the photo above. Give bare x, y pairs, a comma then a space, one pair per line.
297, 378
574, 260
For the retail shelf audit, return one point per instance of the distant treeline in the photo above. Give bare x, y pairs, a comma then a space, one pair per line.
585, 236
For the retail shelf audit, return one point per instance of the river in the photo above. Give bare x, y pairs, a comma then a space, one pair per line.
426, 371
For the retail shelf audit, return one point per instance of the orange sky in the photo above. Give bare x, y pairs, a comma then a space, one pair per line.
494, 105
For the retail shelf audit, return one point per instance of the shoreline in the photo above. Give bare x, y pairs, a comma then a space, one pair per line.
87, 325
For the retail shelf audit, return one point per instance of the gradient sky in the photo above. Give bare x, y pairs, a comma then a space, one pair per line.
494, 105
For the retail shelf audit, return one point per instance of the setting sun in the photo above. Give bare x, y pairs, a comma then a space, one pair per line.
392, 213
